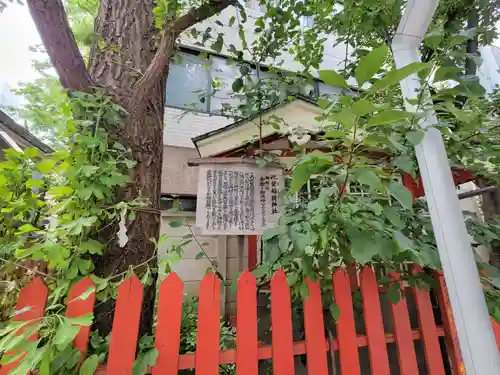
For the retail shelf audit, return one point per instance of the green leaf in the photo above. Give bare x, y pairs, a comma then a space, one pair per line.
260, 271
334, 311
491, 271
82, 320
177, 223
89, 170
86, 294
363, 248
65, 334
60, 191
445, 73
332, 134
31, 152
29, 362
332, 78
415, 137
392, 215
119, 146
34, 183
237, 84
200, 255
304, 290
91, 246
370, 64
401, 194
394, 293
300, 176
346, 117
368, 177
323, 103
232, 20
26, 228
45, 165
302, 235
144, 360
387, 117
292, 278
89, 365
362, 107
218, 44
429, 257
85, 266
405, 163
403, 242
270, 233
395, 76
434, 38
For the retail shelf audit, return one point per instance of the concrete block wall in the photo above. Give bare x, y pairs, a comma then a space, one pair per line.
176, 176
228, 253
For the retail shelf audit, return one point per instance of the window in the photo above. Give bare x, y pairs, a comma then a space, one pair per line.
307, 21
332, 93
254, 5
206, 85
223, 76
188, 82
184, 204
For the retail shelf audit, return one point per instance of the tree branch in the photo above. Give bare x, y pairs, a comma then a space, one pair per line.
52, 23
195, 15
171, 31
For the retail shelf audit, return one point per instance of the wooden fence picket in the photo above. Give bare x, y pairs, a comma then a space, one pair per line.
125, 327
207, 358
346, 330
315, 332
281, 320
451, 336
428, 329
402, 333
30, 305
374, 325
168, 327
496, 331
207, 339
247, 362
78, 306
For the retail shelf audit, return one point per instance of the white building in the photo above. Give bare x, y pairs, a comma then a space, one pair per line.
187, 79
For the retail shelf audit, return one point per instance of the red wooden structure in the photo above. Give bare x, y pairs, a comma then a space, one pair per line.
248, 351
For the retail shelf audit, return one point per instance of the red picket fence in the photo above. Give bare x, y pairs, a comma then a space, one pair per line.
248, 351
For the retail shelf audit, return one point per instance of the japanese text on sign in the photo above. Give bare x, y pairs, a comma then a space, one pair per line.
237, 199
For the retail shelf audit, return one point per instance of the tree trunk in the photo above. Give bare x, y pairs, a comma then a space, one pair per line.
129, 24
131, 65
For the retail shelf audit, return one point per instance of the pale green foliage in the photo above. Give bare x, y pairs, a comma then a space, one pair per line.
46, 109
53, 208
356, 210
81, 17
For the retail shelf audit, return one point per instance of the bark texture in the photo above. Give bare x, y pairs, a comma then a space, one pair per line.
129, 24
52, 25
132, 66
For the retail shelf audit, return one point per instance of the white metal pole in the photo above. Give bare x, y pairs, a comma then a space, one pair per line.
474, 329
